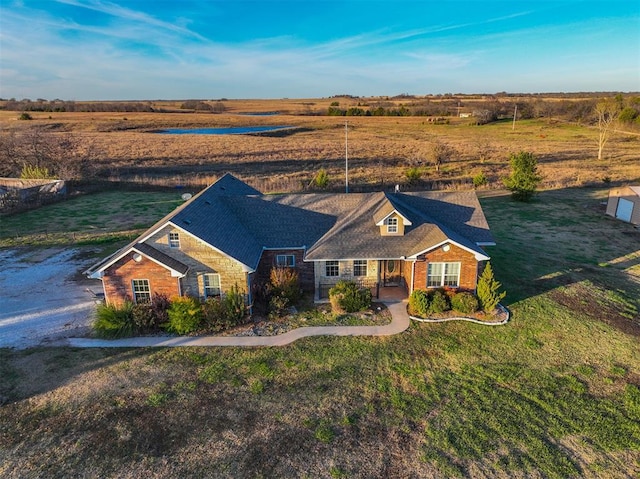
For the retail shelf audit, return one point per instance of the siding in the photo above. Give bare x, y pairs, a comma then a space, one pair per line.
628, 194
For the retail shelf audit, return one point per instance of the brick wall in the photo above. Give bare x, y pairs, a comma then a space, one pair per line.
268, 261
117, 279
468, 266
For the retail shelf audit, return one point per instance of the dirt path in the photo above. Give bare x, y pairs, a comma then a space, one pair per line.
41, 298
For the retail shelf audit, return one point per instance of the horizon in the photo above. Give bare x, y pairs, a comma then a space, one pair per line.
95, 50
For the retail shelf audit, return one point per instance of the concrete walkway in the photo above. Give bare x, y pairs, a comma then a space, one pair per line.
399, 322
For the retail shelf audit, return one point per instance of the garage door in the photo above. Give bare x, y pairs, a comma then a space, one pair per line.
624, 210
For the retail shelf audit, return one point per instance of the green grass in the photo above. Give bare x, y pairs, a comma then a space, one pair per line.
89, 219
552, 394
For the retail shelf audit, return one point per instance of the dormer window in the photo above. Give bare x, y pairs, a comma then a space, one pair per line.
174, 240
392, 225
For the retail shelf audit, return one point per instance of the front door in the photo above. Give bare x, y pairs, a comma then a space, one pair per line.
392, 272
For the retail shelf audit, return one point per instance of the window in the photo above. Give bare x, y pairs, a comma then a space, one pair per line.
174, 240
285, 260
392, 225
211, 283
443, 274
141, 291
332, 268
360, 267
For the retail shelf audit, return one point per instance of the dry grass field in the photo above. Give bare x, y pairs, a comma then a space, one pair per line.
553, 394
124, 147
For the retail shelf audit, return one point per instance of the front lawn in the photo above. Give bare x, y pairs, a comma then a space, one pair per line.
553, 394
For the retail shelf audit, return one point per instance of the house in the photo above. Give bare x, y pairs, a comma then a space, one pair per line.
231, 234
624, 204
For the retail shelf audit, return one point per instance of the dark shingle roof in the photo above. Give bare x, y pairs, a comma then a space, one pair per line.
333, 226
237, 220
160, 257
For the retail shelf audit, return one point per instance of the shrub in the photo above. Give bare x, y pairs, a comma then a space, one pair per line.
214, 315
321, 180
419, 302
487, 290
159, 306
143, 318
185, 315
30, 172
439, 302
278, 306
464, 302
234, 306
25, 116
114, 321
479, 180
413, 175
285, 282
347, 297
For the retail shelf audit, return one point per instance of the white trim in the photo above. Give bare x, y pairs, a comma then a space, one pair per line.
478, 256
175, 241
204, 285
98, 274
325, 268
133, 289
405, 220
366, 268
245, 268
413, 275
391, 225
443, 273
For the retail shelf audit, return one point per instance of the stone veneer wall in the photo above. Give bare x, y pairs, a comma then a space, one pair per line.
346, 272
200, 258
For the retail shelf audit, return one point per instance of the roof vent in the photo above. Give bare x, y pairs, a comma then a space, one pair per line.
208, 202
187, 222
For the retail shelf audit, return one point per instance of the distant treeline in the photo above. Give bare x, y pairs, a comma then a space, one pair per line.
489, 109
106, 106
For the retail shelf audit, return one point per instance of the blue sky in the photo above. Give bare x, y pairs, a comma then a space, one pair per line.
177, 49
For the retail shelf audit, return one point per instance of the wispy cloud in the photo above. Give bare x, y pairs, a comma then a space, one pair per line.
123, 13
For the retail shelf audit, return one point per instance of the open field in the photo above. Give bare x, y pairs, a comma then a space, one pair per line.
123, 147
104, 217
553, 394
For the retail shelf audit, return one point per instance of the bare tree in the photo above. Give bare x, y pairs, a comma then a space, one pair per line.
65, 156
484, 149
441, 153
606, 112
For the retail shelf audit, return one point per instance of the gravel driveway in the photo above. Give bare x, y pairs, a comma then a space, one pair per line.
43, 297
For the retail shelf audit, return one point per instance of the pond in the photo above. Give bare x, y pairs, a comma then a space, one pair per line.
236, 130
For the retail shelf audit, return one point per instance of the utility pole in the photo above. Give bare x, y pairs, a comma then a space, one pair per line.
346, 157
515, 113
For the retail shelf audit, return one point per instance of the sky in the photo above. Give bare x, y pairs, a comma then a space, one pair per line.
210, 49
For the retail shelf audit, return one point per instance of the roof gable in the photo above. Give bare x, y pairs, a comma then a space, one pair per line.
388, 208
235, 219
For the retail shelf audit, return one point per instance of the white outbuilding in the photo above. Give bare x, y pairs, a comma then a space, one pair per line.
624, 204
